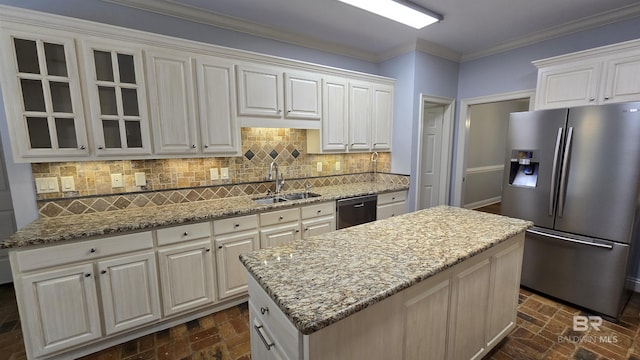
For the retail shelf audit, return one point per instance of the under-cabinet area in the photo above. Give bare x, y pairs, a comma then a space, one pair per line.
70, 95
77, 298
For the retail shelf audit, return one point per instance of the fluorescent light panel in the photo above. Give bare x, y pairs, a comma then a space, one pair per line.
409, 14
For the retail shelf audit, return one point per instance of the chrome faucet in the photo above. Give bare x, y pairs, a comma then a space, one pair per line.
280, 184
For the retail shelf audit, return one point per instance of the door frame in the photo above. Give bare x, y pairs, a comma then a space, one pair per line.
463, 133
448, 120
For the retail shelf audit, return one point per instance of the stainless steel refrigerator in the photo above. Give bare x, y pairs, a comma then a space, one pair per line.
576, 174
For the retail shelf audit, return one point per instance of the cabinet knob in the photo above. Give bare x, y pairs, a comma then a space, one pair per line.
393, 198
185, 234
306, 229
100, 147
87, 275
220, 247
281, 218
297, 231
236, 225
207, 249
289, 110
606, 98
206, 146
592, 99
193, 146
319, 211
82, 147
279, 111
103, 272
92, 250
264, 310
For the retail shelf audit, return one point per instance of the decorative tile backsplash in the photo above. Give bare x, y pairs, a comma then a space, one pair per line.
190, 177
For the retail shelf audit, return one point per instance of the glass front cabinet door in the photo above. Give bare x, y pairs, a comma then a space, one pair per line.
43, 98
117, 98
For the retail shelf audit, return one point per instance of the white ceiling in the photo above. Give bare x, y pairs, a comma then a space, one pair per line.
470, 29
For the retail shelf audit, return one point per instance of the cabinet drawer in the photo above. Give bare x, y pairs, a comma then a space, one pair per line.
240, 223
279, 217
267, 312
390, 210
85, 250
323, 209
176, 234
392, 197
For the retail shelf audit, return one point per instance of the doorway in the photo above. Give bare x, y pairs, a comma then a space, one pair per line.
481, 147
7, 219
434, 156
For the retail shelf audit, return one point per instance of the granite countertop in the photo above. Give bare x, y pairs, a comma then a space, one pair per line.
74, 227
319, 281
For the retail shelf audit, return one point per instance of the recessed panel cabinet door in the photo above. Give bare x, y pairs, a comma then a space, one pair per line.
186, 275
359, 116
219, 129
623, 80
260, 91
335, 119
303, 95
129, 290
568, 86
61, 309
117, 98
232, 275
381, 117
172, 102
42, 96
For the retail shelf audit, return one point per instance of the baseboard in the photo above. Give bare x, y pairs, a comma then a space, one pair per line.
485, 202
633, 284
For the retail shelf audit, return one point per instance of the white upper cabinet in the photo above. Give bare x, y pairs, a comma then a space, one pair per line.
360, 116
42, 96
219, 129
259, 91
172, 102
116, 94
382, 115
335, 120
303, 95
607, 74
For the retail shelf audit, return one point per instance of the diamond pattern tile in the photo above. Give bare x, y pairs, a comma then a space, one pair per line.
273, 154
249, 154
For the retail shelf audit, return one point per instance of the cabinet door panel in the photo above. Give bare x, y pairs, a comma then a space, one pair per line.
129, 290
172, 103
186, 276
259, 92
359, 117
313, 227
232, 275
61, 309
335, 118
381, 118
568, 86
220, 132
623, 80
278, 235
426, 323
302, 95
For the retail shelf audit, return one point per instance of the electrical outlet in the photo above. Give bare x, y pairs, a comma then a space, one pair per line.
47, 185
68, 183
214, 173
224, 173
338, 166
140, 179
116, 181
319, 166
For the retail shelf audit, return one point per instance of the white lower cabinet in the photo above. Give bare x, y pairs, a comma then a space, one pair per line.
458, 314
279, 227
233, 237
391, 204
129, 291
59, 309
318, 219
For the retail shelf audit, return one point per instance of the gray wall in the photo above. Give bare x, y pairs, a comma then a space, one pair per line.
486, 144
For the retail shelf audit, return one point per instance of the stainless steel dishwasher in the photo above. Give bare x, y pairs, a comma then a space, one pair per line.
357, 210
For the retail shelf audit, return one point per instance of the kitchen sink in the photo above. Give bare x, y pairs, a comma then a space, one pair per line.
269, 200
300, 195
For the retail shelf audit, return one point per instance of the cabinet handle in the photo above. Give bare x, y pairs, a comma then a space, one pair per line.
207, 250
193, 146
606, 98
264, 310
87, 275
82, 147
220, 247
592, 99
100, 147
288, 111
236, 225
92, 250
206, 146
103, 271
185, 234
264, 341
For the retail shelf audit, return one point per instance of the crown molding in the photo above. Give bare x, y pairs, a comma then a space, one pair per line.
590, 22
186, 12
424, 46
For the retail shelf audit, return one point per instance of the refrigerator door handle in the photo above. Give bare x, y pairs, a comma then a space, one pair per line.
554, 172
563, 177
605, 246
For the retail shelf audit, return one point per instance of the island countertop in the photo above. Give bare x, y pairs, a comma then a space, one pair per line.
319, 281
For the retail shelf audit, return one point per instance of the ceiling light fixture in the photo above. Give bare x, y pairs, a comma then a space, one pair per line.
401, 11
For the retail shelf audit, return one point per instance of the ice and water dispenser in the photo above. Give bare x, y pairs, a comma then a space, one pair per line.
524, 168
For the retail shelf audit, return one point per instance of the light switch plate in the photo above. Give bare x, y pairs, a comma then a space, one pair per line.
47, 185
67, 183
116, 181
214, 173
224, 173
140, 179
338, 166
319, 166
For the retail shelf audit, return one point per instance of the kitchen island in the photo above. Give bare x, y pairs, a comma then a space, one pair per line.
440, 283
